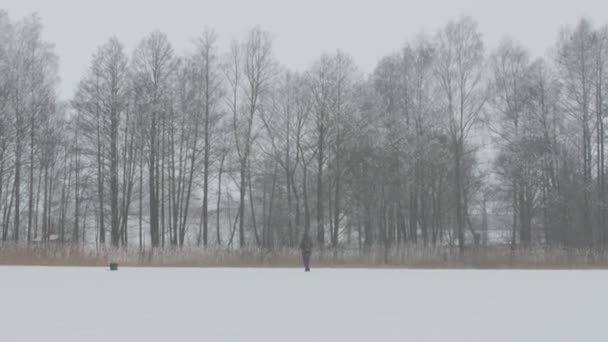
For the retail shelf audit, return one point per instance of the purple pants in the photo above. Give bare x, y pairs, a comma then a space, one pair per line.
306, 260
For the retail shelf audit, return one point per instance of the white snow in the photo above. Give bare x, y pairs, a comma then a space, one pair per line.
185, 304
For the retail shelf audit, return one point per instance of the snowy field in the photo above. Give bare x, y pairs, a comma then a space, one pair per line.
251, 305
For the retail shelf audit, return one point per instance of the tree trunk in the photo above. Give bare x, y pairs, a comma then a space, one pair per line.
458, 195
320, 227
219, 198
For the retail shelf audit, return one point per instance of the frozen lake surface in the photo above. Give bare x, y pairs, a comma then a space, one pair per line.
250, 305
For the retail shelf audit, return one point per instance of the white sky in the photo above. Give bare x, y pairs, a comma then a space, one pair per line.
302, 29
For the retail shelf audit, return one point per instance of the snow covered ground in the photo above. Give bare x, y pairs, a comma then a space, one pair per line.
179, 304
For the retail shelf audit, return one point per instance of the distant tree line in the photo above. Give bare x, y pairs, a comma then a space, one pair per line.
229, 148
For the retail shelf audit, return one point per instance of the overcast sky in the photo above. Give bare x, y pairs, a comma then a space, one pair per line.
302, 30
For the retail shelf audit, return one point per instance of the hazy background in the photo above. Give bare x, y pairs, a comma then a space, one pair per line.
302, 29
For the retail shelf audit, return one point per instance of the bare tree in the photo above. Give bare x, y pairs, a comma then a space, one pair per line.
459, 71
210, 93
250, 73
577, 67
153, 64
510, 64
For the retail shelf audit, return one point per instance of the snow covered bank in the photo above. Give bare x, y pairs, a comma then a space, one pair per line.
409, 256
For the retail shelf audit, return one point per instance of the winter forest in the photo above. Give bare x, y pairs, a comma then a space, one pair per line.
446, 145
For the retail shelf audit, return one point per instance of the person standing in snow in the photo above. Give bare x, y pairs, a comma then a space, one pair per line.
306, 247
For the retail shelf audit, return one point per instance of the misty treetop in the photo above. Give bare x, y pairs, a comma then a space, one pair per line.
444, 143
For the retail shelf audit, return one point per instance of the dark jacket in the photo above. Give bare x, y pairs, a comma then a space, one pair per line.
306, 245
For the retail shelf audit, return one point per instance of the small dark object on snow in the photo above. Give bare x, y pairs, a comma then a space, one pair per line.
113, 266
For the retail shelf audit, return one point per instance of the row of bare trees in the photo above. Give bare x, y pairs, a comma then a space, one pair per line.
549, 120
443, 143
28, 78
